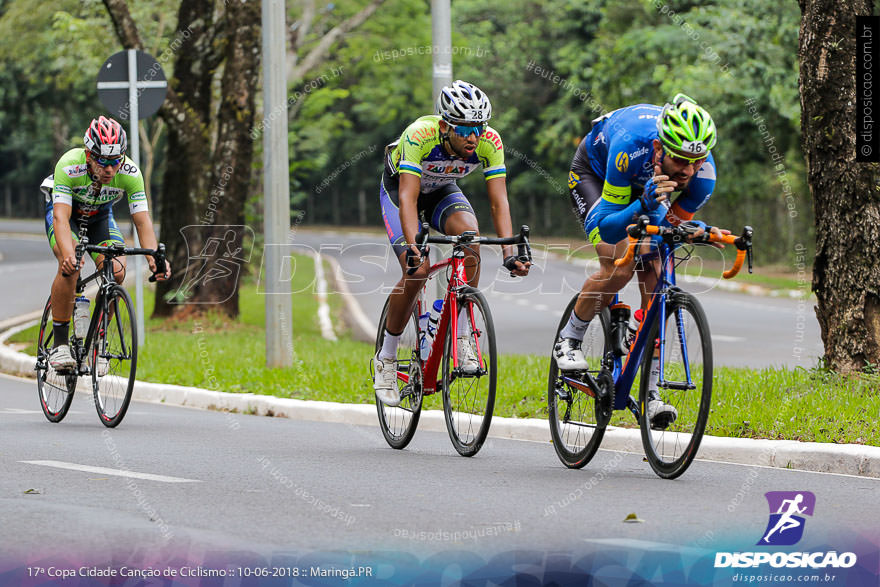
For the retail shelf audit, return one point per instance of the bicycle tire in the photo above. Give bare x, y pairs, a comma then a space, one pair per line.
55, 390
577, 439
115, 340
399, 423
468, 407
670, 451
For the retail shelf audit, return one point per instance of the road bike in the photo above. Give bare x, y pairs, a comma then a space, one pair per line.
468, 397
107, 353
674, 329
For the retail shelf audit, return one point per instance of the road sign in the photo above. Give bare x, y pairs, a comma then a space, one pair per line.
131, 84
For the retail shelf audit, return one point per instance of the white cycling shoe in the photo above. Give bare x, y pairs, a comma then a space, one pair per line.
467, 357
385, 381
660, 414
569, 355
61, 360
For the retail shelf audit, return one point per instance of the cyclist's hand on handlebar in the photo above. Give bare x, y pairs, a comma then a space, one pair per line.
516, 267
159, 276
414, 258
68, 265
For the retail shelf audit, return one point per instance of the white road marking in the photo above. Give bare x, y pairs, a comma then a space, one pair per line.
18, 411
105, 471
725, 338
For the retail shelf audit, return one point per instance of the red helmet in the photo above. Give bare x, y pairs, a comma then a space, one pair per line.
105, 138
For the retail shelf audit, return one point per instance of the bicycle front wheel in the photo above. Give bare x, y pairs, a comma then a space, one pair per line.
55, 389
469, 393
576, 425
113, 357
399, 423
687, 387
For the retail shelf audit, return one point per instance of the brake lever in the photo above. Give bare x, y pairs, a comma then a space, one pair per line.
421, 245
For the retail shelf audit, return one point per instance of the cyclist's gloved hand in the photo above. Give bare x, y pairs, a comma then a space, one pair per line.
649, 196
515, 266
695, 224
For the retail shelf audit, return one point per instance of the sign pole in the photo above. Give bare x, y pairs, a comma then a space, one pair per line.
129, 99
134, 134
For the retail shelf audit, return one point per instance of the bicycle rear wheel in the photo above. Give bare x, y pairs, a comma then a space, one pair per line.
687, 386
576, 422
469, 398
113, 357
399, 423
55, 389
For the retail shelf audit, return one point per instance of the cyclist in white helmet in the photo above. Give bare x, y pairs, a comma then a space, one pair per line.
421, 169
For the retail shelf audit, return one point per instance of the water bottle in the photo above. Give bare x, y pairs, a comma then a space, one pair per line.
424, 343
620, 314
430, 328
81, 316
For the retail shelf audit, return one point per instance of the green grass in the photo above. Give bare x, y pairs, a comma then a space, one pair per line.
213, 352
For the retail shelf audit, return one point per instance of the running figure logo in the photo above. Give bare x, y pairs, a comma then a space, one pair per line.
787, 508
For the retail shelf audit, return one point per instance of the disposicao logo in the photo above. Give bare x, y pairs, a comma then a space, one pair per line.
786, 528
787, 508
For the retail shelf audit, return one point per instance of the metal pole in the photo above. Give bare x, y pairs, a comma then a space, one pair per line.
135, 155
279, 334
441, 39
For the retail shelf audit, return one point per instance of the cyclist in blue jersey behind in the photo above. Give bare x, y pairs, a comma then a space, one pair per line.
631, 163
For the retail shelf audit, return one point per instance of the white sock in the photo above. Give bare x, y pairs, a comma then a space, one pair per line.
464, 322
654, 375
575, 327
389, 346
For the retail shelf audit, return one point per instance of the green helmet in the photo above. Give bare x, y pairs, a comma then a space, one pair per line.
686, 128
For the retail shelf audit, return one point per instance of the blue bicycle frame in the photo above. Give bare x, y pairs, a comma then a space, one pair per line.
623, 369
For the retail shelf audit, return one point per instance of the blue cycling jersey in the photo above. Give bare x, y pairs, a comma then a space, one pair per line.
619, 150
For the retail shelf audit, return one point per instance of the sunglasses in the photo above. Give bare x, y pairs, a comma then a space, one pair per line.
466, 131
681, 159
105, 162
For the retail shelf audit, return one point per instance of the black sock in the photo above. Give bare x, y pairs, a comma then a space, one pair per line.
59, 332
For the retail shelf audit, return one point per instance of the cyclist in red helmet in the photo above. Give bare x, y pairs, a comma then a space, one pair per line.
79, 201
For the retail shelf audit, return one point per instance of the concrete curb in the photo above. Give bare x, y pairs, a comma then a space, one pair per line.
849, 459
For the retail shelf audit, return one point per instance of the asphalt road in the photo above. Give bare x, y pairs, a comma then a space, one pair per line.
233, 489
243, 483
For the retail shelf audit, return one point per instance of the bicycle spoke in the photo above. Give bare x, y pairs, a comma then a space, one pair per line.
469, 389
574, 425
686, 387
398, 423
113, 358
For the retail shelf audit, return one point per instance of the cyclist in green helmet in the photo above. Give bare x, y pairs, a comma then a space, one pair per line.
633, 161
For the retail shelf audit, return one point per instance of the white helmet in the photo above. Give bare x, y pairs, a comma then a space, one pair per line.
463, 103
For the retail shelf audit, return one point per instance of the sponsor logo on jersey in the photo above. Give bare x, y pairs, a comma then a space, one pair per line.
76, 170
621, 161
573, 179
600, 138
491, 136
446, 169
421, 135
128, 168
638, 153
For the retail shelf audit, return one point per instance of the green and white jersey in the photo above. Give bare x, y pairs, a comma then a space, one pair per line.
72, 185
420, 153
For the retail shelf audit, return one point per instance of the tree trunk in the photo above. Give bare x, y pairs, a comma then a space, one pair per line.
231, 169
846, 271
